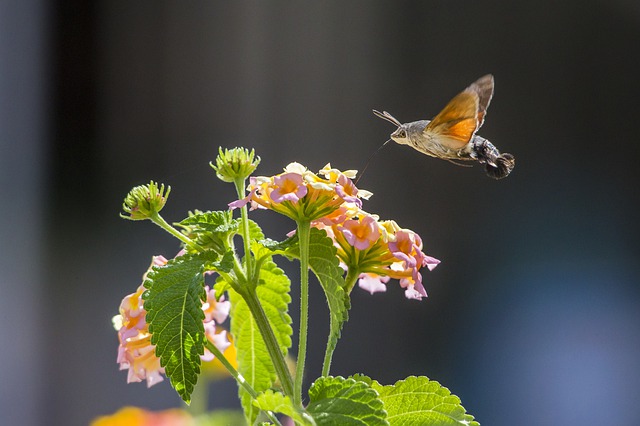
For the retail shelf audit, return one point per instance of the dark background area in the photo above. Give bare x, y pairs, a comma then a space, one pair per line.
533, 317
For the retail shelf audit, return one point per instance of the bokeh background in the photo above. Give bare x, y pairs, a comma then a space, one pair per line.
534, 314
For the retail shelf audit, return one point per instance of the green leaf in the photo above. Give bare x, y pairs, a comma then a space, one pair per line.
224, 264
211, 230
218, 221
282, 247
255, 232
254, 362
266, 248
255, 237
340, 401
279, 403
420, 401
173, 303
325, 265
366, 379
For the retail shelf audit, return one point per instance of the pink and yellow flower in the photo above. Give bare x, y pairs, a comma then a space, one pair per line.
360, 233
135, 352
288, 187
303, 195
376, 251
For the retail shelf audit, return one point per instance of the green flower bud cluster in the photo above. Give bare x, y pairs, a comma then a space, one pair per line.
145, 201
235, 164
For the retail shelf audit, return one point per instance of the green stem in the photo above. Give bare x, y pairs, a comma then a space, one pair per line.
303, 239
239, 183
199, 397
350, 280
159, 220
277, 357
238, 377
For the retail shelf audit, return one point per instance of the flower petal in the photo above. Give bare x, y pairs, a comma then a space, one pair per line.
373, 283
430, 262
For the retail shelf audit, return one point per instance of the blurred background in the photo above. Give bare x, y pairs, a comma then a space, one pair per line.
533, 317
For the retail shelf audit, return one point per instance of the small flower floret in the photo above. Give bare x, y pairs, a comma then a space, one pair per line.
360, 233
288, 187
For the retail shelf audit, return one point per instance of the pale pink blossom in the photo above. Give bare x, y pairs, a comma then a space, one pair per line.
412, 293
373, 283
413, 286
347, 190
288, 187
219, 339
407, 247
217, 310
361, 234
430, 262
243, 201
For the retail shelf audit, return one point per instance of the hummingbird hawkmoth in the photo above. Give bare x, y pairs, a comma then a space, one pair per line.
451, 135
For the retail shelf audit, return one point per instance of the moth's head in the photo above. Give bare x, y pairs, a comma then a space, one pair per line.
401, 134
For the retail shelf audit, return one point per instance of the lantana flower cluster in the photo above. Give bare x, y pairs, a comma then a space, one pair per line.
135, 351
379, 250
301, 194
374, 250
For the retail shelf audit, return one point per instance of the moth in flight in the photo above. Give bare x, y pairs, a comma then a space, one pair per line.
451, 135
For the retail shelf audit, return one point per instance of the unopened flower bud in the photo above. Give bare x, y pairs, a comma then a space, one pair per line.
144, 201
236, 163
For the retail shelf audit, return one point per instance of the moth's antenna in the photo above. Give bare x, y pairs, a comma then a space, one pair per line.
386, 116
369, 160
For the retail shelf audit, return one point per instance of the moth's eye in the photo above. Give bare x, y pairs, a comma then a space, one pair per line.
402, 134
